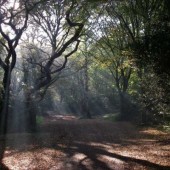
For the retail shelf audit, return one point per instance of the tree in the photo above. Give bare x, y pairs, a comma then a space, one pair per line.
55, 21
54, 29
114, 53
13, 22
146, 23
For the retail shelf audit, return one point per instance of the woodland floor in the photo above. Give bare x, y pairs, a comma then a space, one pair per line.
66, 143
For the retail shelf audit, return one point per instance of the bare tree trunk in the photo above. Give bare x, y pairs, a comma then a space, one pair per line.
5, 108
86, 92
122, 107
123, 114
30, 114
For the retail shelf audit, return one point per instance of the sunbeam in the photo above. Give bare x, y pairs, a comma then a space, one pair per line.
84, 84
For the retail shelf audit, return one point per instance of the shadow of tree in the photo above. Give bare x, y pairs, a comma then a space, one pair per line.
92, 152
77, 138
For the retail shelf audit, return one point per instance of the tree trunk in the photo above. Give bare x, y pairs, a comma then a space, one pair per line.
84, 109
30, 115
5, 104
86, 89
123, 110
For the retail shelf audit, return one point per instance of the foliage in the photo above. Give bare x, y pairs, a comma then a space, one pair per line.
85, 57
39, 120
154, 99
146, 24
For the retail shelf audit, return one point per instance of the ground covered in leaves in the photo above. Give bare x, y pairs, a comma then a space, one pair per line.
66, 143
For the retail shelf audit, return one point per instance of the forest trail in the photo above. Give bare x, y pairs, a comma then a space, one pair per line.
66, 143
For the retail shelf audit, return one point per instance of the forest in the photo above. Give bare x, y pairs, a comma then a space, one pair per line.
84, 84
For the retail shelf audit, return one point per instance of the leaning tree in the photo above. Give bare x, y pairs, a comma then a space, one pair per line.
56, 28
13, 22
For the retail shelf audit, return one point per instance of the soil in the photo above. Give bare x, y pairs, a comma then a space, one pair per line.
67, 143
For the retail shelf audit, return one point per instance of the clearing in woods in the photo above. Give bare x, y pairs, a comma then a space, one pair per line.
66, 143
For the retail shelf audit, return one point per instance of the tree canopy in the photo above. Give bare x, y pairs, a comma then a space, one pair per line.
85, 57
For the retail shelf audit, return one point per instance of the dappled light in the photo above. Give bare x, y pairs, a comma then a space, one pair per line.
84, 85
75, 145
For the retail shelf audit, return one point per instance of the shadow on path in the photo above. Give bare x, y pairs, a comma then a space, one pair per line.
93, 152
74, 137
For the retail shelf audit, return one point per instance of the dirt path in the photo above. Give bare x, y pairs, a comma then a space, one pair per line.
70, 144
